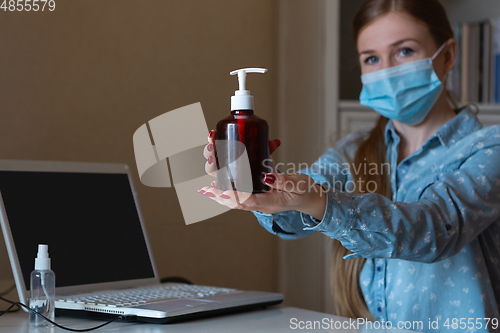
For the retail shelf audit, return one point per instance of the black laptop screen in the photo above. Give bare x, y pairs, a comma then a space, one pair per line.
89, 221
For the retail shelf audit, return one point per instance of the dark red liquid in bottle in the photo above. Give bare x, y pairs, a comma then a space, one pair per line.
244, 126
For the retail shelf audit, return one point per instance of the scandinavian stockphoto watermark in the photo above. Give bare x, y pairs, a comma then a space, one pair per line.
342, 176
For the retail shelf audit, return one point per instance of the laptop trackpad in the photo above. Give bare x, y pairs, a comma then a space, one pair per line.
176, 304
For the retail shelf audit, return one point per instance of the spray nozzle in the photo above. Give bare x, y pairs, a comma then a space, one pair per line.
43, 251
242, 100
42, 260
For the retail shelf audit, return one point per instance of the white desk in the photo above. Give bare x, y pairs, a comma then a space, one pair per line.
274, 319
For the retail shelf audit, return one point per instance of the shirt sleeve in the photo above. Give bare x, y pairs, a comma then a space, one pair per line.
331, 171
450, 213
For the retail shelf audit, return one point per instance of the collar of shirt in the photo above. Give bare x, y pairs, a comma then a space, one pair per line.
464, 123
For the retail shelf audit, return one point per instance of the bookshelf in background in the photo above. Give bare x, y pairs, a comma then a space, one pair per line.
476, 75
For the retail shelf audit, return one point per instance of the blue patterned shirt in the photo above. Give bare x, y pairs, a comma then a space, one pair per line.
432, 251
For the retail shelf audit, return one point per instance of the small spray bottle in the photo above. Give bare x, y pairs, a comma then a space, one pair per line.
244, 126
43, 289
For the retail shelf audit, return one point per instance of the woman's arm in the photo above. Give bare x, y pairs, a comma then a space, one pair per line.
288, 224
450, 213
332, 171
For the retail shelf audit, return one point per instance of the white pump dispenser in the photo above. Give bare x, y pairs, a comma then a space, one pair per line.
242, 100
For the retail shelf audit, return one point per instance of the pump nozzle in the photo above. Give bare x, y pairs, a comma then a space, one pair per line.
242, 74
242, 100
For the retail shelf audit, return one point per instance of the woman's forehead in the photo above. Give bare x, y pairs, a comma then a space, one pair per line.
391, 28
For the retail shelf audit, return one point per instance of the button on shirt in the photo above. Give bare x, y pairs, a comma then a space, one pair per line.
432, 251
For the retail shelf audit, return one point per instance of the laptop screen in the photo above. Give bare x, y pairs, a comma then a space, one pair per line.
89, 221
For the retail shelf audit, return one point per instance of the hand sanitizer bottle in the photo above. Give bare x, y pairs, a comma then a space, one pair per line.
244, 126
43, 288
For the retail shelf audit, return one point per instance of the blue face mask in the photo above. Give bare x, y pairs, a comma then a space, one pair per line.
405, 93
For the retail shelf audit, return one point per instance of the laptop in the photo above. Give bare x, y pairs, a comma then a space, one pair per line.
88, 215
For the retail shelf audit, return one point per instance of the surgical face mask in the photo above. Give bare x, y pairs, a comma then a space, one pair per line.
405, 93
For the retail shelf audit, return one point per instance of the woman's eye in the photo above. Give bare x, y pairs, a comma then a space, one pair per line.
405, 52
371, 60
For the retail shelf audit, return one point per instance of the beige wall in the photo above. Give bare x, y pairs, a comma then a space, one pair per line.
302, 102
77, 82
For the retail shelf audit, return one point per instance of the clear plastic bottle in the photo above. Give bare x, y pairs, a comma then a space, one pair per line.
43, 289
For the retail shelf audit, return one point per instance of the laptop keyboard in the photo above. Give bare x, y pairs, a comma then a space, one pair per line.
146, 295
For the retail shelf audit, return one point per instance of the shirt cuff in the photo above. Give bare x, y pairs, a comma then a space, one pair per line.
282, 224
309, 222
266, 220
338, 217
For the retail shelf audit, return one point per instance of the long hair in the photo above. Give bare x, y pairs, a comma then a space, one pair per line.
347, 296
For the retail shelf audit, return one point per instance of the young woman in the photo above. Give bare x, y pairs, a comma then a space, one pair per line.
415, 202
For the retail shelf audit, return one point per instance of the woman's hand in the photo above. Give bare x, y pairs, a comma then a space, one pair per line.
292, 192
287, 192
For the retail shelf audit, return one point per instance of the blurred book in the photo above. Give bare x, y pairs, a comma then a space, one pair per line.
476, 75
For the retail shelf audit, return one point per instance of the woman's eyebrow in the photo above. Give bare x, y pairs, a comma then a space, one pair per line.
402, 41
366, 52
392, 45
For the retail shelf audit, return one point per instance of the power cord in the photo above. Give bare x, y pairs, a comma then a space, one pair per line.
52, 322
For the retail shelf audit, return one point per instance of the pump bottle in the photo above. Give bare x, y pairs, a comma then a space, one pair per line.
43, 285
245, 127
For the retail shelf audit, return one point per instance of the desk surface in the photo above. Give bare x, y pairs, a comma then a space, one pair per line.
274, 319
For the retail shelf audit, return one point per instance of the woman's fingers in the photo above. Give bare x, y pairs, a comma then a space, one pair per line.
268, 202
273, 145
295, 183
211, 166
228, 198
209, 150
211, 136
209, 154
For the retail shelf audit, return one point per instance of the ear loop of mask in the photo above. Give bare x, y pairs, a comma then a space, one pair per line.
434, 57
446, 74
438, 51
